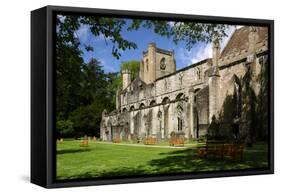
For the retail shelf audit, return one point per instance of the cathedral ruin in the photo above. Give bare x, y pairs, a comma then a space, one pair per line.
162, 100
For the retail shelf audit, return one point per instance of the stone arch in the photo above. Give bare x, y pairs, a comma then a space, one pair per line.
197, 90
142, 105
165, 100
132, 108
180, 96
152, 103
124, 109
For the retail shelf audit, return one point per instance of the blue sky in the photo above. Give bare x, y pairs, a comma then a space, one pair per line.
102, 48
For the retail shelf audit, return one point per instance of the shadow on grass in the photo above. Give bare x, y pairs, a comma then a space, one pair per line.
73, 151
188, 161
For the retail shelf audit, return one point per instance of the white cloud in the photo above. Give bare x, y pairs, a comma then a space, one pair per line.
195, 55
61, 18
229, 33
202, 53
183, 55
83, 33
171, 23
85, 36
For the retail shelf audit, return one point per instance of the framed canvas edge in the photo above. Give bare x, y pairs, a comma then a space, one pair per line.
50, 148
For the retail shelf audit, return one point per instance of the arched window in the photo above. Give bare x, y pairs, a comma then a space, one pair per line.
166, 100
163, 63
198, 73
196, 90
146, 64
142, 105
132, 108
153, 102
124, 110
179, 124
237, 99
179, 96
179, 113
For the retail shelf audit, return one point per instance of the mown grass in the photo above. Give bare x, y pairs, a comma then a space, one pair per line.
110, 160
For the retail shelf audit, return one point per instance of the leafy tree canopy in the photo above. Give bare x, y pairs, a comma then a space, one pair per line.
110, 29
132, 66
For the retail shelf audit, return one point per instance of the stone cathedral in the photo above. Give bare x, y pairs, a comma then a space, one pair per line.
162, 100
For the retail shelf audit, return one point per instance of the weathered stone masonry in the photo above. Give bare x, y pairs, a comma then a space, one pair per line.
162, 100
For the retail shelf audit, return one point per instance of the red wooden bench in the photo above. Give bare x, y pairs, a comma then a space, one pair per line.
174, 141
150, 141
221, 149
84, 143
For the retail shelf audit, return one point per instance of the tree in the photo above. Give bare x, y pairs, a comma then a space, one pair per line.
263, 101
64, 127
133, 66
86, 118
110, 29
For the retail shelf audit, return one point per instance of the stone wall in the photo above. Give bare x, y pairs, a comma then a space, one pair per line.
162, 101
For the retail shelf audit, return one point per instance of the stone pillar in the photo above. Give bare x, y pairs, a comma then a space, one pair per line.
216, 52
126, 78
214, 82
252, 39
132, 122
117, 99
174, 62
191, 113
141, 71
151, 71
166, 120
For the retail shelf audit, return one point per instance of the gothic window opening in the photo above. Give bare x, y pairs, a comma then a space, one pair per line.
142, 106
166, 100
179, 96
179, 124
163, 64
132, 108
198, 73
124, 110
152, 103
237, 99
179, 113
146, 64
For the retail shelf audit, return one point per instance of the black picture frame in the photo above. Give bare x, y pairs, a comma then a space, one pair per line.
43, 143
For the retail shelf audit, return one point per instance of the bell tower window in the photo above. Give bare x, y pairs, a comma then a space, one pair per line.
163, 64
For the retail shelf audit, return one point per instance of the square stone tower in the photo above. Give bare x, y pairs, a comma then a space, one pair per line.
156, 63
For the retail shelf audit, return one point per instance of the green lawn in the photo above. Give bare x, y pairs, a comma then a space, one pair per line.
107, 160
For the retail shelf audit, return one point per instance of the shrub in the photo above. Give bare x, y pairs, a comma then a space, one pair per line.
64, 127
